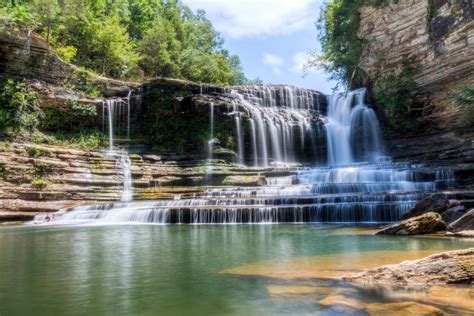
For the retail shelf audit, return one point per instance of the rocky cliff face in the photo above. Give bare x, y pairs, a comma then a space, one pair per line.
436, 37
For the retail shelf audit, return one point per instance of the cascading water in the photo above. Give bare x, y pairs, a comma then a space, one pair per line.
115, 111
210, 143
279, 116
351, 128
358, 184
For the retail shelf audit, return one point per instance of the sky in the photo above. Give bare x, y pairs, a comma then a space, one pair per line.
271, 37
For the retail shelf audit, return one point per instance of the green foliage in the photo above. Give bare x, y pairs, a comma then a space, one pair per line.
36, 152
465, 101
338, 25
40, 183
342, 49
395, 93
130, 38
82, 110
19, 109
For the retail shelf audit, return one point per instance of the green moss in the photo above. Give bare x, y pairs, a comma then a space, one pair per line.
40, 183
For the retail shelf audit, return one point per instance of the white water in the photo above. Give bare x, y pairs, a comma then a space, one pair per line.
351, 127
277, 117
358, 184
210, 143
27, 49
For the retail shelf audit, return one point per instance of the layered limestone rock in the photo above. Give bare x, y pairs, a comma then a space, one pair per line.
43, 178
436, 37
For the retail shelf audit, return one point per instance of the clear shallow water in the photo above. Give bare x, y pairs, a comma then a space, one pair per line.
170, 270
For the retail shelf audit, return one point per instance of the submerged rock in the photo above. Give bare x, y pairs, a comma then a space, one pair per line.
444, 268
340, 301
423, 224
430, 204
403, 308
465, 222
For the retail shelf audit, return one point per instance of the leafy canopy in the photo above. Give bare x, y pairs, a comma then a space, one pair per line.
130, 39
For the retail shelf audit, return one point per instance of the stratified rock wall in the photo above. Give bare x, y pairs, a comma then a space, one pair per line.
436, 35
437, 38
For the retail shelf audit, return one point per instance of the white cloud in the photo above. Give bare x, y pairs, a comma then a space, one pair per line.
247, 18
300, 60
274, 61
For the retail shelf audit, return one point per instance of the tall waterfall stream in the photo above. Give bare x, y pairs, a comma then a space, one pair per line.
357, 184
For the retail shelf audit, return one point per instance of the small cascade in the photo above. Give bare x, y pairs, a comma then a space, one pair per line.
27, 48
118, 113
124, 165
210, 143
129, 97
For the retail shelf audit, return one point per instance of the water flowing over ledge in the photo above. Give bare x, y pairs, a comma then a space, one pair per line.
358, 183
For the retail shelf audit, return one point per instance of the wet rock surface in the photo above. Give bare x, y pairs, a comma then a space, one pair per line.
430, 204
423, 224
464, 223
454, 267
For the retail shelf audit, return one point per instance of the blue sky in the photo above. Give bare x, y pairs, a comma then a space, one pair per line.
271, 37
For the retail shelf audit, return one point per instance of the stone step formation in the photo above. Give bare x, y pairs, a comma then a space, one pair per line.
355, 182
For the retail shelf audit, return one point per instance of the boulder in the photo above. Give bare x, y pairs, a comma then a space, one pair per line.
465, 222
423, 224
430, 204
454, 267
452, 214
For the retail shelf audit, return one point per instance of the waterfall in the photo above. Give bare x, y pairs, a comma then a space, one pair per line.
279, 116
129, 97
210, 143
27, 49
358, 184
352, 129
115, 117
124, 164
240, 136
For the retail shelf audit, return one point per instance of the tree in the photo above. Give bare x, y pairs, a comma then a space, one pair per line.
47, 14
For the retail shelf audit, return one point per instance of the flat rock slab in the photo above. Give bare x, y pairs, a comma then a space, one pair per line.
454, 267
423, 224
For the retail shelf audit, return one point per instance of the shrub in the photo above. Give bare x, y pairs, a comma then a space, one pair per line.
40, 183
19, 109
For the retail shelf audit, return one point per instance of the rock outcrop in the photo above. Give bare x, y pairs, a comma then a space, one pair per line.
465, 222
436, 37
434, 204
423, 224
71, 177
454, 267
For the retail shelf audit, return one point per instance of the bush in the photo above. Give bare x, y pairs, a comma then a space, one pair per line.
396, 93
40, 183
19, 109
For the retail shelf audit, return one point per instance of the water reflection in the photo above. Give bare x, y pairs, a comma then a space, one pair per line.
122, 270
